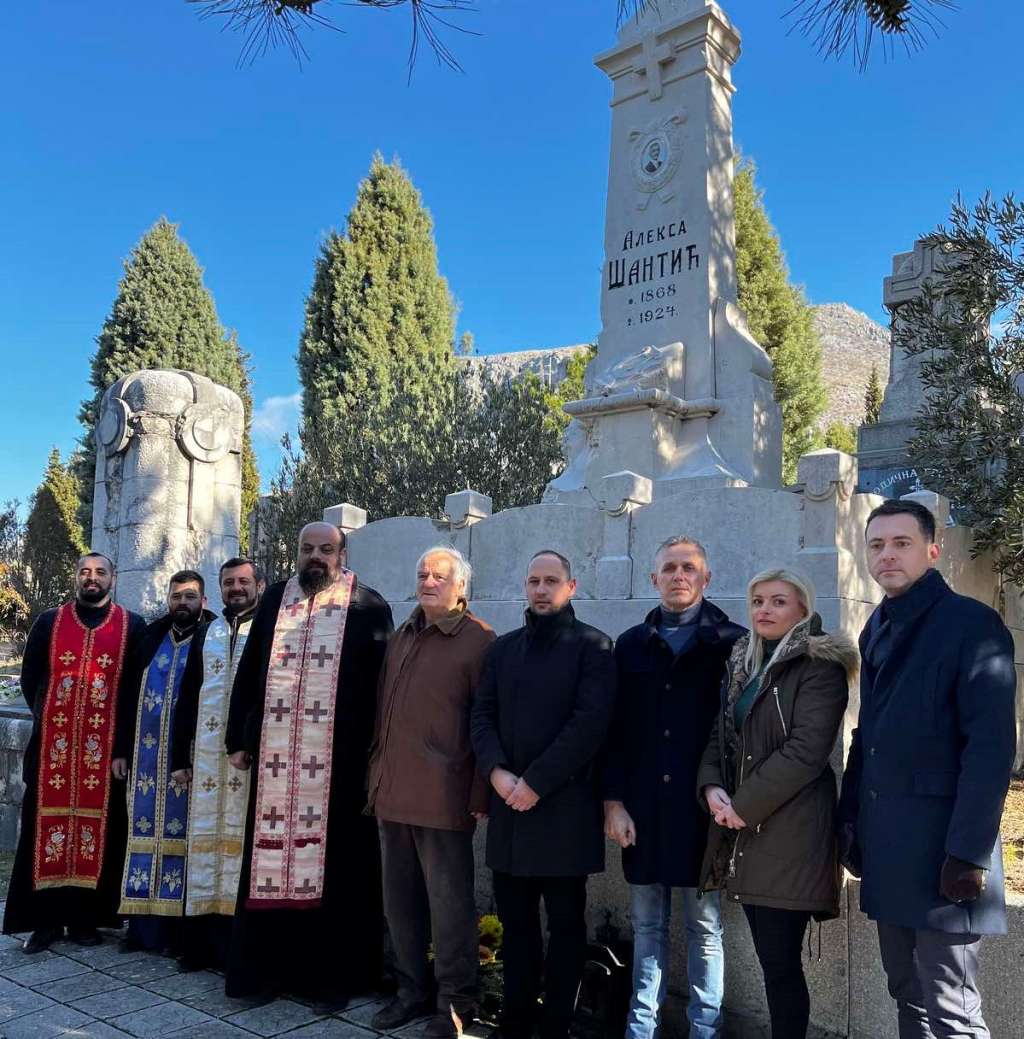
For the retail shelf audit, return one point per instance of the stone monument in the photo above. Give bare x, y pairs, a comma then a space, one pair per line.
679, 393
885, 465
168, 481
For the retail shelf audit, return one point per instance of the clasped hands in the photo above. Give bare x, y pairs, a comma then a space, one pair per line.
513, 790
720, 806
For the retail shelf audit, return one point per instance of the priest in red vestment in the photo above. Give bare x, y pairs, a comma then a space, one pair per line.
78, 660
308, 918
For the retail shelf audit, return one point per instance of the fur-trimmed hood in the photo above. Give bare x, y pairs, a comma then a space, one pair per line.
838, 648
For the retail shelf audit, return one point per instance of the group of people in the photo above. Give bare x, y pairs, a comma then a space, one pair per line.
256, 791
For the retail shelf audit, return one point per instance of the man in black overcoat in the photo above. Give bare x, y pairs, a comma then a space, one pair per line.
330, 947
539, 719
927, 776
670, 672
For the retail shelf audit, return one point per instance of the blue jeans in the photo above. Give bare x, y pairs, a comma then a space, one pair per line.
651, 908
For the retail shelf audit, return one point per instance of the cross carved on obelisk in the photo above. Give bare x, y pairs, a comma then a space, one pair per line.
655, 55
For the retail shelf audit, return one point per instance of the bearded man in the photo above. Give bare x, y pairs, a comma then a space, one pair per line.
219, 793
79, 659
308, 918
154, 865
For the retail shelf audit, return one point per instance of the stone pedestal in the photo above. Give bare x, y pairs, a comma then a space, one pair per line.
168, 481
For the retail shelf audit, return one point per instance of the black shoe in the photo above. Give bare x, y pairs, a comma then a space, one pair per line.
446, 1024
86, 936
41, 939
333, 1004
398, 1013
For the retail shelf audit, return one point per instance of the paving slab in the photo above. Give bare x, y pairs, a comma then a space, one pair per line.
191, 983
280, 1016
35, 973
107, 1005
78, 986
474, 1030
94, 1030
361, 1015
161, 1020
16, 1004
211, 1030
101, 956
10, 941
46, 1023
215, 1002
333, 1028
17, 957
140, 972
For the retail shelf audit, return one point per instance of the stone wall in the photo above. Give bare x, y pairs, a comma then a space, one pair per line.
817, 527
15, 729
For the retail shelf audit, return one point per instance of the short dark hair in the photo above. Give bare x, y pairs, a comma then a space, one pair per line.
98, 555
187, 577
566, 565
236, 561
906, 507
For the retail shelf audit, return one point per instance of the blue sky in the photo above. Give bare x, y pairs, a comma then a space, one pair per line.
119, 112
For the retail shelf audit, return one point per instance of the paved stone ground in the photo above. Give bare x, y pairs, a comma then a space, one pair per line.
104, 993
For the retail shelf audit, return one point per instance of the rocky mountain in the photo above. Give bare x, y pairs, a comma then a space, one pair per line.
850, 344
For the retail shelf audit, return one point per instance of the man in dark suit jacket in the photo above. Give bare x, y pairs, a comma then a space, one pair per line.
927, 776
539, 719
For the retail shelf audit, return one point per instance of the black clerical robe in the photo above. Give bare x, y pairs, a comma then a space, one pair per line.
333, 948
28, 909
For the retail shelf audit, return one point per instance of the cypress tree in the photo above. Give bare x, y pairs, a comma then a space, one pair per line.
780, 320
379, 317
873, 397
164, 317
53, 538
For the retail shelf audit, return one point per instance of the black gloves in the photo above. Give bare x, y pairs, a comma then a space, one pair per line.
849, 852
961, 881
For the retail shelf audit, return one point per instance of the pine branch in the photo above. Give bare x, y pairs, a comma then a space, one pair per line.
840, 27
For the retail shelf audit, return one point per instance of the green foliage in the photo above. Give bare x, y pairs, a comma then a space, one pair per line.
400, 458
53, 539
873, 397
840, 436
490, 931
780, 319
379, 316
14, 608
969, 327
164, 317
390, 421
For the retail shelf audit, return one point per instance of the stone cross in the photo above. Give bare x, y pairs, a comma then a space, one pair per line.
655, 55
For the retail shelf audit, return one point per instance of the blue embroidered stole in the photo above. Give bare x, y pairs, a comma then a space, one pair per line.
154, 871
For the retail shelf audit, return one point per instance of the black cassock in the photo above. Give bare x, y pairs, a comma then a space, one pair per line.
26, 908
335, 948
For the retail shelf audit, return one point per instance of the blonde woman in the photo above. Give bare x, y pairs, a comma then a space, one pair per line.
765, 778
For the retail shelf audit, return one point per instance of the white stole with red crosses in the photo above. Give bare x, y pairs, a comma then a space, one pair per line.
293, 783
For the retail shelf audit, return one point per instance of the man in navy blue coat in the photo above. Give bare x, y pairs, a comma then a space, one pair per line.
670, 671
927, 776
